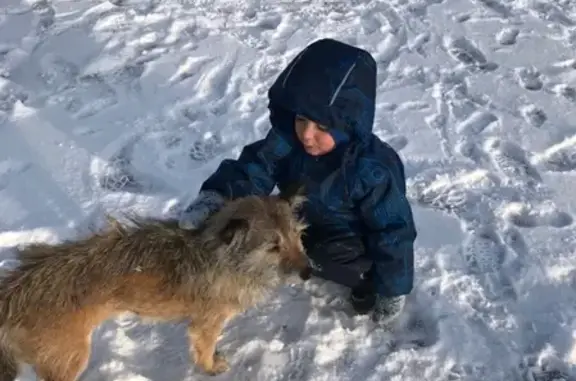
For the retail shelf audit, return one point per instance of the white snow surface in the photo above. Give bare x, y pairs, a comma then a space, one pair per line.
128, 105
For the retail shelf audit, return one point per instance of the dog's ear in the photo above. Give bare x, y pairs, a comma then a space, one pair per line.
294, 195
233, 227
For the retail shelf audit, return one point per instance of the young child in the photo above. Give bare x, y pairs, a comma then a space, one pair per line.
361, 230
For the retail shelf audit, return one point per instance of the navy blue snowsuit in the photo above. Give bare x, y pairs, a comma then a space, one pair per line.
360, 220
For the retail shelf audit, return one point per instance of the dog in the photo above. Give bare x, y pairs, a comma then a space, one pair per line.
50, 303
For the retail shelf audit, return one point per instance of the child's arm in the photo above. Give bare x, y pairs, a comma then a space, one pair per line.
391, 233
252, 173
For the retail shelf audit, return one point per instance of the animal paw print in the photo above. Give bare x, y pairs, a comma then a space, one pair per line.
529, 78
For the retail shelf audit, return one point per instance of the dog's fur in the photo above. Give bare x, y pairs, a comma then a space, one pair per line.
51, 303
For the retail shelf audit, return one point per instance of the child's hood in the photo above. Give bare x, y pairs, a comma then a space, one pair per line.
330, 82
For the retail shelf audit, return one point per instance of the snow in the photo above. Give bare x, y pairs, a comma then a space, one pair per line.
127, 105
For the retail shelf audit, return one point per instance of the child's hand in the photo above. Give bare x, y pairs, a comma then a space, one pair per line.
387, 310
199, 209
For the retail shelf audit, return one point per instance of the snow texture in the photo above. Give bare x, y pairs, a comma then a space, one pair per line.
127, 105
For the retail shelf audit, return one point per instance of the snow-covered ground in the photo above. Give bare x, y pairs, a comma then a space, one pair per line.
127, 105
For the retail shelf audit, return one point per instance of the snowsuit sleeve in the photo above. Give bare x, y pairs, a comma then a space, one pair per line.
253, 172
389, 230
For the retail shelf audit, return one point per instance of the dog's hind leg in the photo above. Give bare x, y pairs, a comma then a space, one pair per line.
64, 360
203, 332
62, 353
8, 366
64, 364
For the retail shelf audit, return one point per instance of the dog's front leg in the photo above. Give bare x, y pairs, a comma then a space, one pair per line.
203, 333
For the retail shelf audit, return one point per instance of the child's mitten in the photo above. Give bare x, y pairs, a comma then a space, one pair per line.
205, 204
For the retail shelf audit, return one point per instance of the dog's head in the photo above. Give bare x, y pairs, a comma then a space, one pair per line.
262, 233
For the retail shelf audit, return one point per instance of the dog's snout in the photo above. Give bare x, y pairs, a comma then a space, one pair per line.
306, 273
301, 260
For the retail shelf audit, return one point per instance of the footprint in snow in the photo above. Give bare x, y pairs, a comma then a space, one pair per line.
206, 149
560, 157
190, 66
419, 43
467, 147
116, 176
420, 324
10, 94
552, 13
533, 115
529, 78
88, 96
519, 264
511, 161
476, 122
483, 250
545, 375
57, 73
140, 6
116, 173
498, 7
514, 239
545, 367
45, 15
507, 36
299, 365
525, 216
369, 23
462, 195
215, 83
447, 199
565, 91
464, 51
128, 75
485, 254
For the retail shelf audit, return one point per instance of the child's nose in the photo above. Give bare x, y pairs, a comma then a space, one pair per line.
309, 131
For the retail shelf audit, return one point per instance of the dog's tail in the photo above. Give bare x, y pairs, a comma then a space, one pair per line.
8, 362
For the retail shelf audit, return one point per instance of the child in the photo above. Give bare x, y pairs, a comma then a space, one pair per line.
361, 231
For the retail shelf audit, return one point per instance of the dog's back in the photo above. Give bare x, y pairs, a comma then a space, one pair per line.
56, 278
152, 268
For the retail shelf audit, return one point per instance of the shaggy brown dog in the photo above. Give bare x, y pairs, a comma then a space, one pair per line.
51, 303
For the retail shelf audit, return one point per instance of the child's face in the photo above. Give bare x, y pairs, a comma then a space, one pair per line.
314, 137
